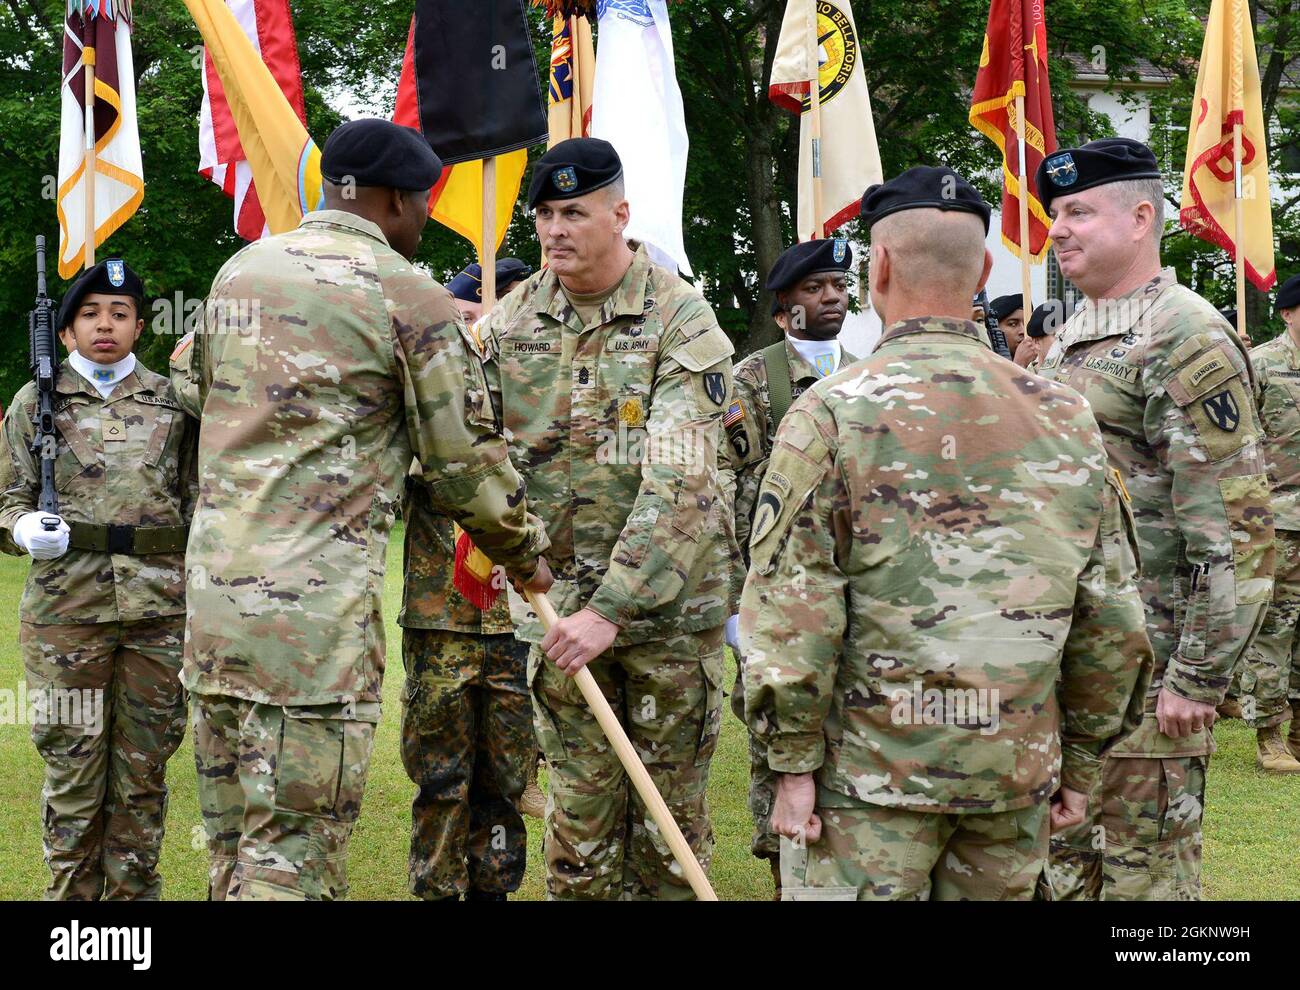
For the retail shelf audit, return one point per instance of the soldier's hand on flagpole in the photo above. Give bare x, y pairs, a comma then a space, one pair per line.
578, 639
539, 584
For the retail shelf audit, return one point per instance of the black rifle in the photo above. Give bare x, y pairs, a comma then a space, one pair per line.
996, 337
45, 368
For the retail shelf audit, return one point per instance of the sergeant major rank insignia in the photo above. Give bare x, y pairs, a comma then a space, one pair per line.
116, 270
565, 179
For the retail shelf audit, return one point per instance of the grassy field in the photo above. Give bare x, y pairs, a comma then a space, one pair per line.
1252, 824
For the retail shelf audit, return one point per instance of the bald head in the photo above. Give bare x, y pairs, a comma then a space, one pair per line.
927, 262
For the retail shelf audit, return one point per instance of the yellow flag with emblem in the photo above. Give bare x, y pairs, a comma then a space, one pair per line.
1228, 94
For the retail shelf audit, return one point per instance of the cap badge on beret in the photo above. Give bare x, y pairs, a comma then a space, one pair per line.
565, 179
116, 273
841, 248
1061, 169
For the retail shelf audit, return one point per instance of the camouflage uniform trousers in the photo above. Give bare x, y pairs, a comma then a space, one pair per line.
764, 843
279, 790
871, 852
1140, 839
104, 804
1271, 671
467, 742
668, 695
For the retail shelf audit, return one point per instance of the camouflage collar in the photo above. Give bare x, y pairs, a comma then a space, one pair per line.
1290, 348
1110, 317
626, 300
341, 219
72, 382
946, 325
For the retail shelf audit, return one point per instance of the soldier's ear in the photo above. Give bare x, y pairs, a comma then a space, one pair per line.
988, 268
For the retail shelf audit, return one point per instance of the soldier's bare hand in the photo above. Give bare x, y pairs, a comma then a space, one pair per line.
1068, 808
792, 812
1178, 716
578, 639
541, 581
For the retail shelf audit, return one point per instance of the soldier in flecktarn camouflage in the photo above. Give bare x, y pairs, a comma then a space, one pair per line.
941, 622
103, 613
325, 362
613, 377
1172, 390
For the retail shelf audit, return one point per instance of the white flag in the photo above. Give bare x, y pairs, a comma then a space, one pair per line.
638, 109
850, 159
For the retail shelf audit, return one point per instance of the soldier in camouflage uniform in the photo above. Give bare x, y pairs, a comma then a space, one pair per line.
1171, 388
1271, 672
467, 719
103, 613
941, 621
612, 377
810, 303
326, 361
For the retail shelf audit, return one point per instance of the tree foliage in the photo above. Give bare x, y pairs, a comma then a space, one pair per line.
920, 58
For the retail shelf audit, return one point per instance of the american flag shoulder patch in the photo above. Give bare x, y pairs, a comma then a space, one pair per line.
734, 414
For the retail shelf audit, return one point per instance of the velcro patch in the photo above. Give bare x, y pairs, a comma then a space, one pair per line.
1202, 375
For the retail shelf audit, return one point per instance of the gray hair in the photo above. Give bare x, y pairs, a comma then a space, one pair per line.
1128, 193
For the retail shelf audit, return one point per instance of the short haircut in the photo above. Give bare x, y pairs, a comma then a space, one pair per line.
1128, 193
933, 248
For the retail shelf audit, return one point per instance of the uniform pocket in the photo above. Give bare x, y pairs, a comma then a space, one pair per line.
1250, 521
549, 739
711, 719
321, 766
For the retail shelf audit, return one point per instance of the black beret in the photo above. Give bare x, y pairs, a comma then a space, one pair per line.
1095, 164
113, 277
1289, 294
468, 285
924, 187
829, 254
1046, 319
1004, 306
574, 168
1229, 314
375, 152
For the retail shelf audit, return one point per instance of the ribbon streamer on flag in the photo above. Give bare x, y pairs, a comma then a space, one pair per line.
1227, 95
97, 34
573, 75
268, 26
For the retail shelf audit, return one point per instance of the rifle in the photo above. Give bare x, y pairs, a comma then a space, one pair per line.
996, 337
45, 368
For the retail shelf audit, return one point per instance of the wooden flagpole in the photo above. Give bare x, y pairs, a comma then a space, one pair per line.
88, 161
815, 121
636, 771
1022, 194
1239, 99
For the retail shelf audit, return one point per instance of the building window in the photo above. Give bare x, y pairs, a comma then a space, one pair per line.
1060, 287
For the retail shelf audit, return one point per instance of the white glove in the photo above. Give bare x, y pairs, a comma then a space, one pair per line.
41, 543
732, 633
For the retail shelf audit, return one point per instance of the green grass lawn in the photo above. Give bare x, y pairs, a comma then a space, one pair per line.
1252, 823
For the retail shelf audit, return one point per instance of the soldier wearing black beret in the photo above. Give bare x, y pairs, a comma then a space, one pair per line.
103, 616
467, 287
1171, 387
1009, 311
809, 282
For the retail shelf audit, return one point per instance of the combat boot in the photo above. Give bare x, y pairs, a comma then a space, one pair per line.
532, 802
1293, 737
1231, 708
1273, 755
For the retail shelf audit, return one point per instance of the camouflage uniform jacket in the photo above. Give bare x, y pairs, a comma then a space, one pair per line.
129, 460
348, 362
751, 430
1171, 389
1277, 369
938, 541
616, 428
429, 598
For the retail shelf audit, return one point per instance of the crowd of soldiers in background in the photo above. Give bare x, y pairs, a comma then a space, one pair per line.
984, 611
